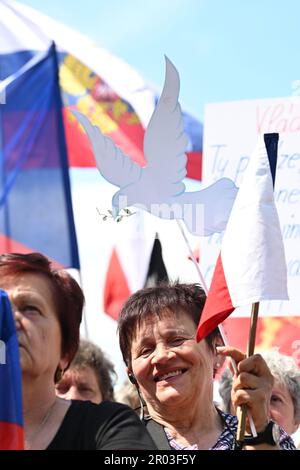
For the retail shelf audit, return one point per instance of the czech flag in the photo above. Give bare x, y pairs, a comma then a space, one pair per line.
251, 266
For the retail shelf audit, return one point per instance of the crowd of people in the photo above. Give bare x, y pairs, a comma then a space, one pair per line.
69, 401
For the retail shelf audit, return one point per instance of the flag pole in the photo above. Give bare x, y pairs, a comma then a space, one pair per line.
253, 325
271, 144
242, 410
3, 198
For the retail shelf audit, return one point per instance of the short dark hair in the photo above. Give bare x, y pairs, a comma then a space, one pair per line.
90, 355
67, 294
187, 298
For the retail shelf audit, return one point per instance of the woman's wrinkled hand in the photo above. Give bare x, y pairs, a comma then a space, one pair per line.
252, 385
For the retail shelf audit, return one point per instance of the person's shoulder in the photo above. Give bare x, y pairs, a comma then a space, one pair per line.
113, 405
108, 407
106, 411
104, 405
103, 409
105, 426
116, 426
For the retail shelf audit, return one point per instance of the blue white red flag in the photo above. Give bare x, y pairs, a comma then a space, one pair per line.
35, 198
251, 266
11, 417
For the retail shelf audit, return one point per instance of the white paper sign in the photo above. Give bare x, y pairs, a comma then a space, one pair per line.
231, 131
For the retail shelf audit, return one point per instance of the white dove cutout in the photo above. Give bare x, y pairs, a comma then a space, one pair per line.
158, 187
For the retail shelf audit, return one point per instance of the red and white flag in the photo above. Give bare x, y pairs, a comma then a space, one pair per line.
251, 266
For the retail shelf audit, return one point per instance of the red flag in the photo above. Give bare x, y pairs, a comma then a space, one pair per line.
136, 261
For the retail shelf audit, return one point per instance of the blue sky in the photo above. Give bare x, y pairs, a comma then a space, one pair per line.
223, 49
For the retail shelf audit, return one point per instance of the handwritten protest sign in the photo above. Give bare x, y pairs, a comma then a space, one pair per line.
231, 131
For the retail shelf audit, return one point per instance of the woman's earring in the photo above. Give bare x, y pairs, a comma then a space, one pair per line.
58, 375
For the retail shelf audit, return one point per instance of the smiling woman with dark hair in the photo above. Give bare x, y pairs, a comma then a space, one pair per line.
174, 374
47, 306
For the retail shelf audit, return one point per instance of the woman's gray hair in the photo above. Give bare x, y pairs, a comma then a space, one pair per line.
285, 372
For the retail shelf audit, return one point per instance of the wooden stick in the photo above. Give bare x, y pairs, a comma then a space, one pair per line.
253, 325
242, 411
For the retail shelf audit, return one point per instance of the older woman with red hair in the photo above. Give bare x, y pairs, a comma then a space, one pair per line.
47, 306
